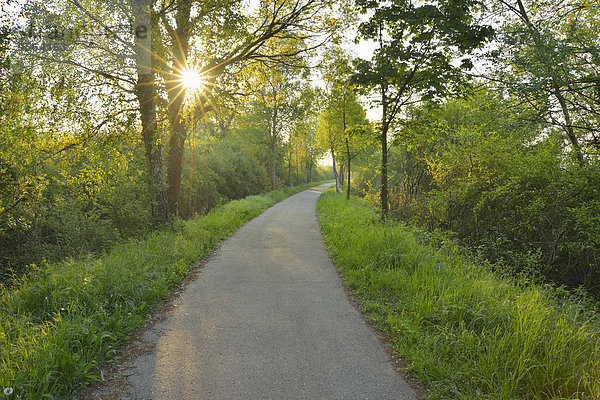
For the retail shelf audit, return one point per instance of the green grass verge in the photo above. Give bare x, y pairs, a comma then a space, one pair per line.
466, 333
66, 320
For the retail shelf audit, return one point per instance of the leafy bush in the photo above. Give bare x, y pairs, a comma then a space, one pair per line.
506, 189
85, 202
225, 171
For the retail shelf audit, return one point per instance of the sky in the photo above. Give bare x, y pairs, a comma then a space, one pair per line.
364, 49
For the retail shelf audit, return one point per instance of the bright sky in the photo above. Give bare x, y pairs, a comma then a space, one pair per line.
364, 49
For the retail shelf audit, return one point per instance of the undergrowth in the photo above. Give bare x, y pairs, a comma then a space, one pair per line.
61, 323
465, 331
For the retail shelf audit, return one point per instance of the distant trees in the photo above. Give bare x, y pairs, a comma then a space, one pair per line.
344, 104
330, 136
278, 98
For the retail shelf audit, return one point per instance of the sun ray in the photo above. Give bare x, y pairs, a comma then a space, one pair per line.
192, 80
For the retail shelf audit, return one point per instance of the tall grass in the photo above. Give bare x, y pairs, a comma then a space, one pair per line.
467, 333
63, 322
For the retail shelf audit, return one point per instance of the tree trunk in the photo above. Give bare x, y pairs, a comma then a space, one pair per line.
335, 174
152, 146
307, 172
568, 123
348, 173
274, 148
175, 161
176, 92
344, 133
384, 156
289, 171
145, 91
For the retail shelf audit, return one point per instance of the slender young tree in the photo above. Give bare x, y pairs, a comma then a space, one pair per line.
344, 104
330, 137
414, 61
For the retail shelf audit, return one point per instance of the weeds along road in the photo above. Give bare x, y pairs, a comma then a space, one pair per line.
266, 318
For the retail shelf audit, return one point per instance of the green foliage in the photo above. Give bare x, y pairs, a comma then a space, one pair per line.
465, 331
63, 191
416, 60
416, 45
547, 58
62, 322
503, 187
226, 172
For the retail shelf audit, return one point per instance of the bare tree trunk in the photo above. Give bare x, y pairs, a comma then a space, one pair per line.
274, 148
307, 172
347, 145
153, 148
289, 170
273, 173
344, 132
568, 123
175, 162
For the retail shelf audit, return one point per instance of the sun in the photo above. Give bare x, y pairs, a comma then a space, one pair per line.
191, 80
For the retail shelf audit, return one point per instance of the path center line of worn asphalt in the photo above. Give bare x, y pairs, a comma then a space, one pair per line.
267, 318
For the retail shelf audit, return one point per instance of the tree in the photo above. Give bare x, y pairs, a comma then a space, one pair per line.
345, 104
292, 23
305, 140
414, 60
330, 135
167, 38
145, 91
279, 99
548, 60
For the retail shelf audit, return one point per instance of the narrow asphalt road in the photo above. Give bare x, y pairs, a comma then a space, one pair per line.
266, 318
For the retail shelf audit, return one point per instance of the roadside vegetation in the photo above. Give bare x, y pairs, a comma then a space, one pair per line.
96, 149
63, 321
486, 129
465, 331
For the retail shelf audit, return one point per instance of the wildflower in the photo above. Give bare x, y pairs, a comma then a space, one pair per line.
8, 391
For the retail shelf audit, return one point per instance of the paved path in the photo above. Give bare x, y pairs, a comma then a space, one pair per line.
267, 318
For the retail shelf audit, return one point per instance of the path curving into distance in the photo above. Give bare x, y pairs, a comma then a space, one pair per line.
266, 318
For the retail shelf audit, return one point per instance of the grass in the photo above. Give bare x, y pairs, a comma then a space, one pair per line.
466, 332
64, 321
